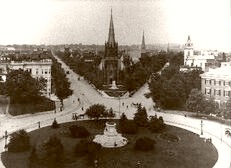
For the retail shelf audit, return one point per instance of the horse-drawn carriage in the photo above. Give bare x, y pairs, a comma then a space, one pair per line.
228, 132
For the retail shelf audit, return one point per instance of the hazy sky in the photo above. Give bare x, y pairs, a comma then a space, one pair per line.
87, 21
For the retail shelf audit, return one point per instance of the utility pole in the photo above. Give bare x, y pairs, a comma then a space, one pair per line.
202, 127
119, 106
6, 135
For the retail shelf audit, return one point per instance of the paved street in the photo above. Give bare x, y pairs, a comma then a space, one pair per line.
89, 96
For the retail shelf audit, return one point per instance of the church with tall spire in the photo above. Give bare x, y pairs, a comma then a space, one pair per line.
111, 64
143, 47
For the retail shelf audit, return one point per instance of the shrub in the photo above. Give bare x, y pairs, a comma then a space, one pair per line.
128, 127
111, 114
78, 131
123, 118
140, 117
19, 141
156, 125
122, 121
144, 144
55, 124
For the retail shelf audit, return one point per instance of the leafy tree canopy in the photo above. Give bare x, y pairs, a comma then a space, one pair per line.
96, 111
140, 117
21, 87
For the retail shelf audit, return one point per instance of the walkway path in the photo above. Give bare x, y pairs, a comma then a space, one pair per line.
89, 96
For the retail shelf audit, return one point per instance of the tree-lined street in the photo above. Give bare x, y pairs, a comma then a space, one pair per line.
84, 95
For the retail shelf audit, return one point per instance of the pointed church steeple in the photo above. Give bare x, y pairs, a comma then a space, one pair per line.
143, 47
189, 43
111, 34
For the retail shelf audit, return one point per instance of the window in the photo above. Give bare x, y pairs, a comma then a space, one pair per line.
227, 93
217, 92
45, 71
207, 81
188, 53
207, 91
217, 82
28, 70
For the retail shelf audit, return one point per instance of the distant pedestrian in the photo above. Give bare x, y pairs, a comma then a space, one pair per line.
55, 111
82, 108
123, 104
127, 106
39, 124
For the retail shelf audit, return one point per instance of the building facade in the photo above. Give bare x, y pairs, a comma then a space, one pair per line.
216, 83
111, 64
37, 69
193, 60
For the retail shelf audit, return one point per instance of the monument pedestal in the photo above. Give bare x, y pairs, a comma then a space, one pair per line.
113, 86
110, 138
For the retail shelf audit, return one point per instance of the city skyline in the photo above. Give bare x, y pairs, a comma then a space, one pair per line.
208, 22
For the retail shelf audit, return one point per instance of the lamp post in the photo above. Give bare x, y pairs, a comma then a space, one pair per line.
119, 105
202, 127
6, 135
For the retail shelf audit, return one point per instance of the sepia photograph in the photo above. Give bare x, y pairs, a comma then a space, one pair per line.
115, 84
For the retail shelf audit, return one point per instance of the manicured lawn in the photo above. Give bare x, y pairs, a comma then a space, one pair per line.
188, 152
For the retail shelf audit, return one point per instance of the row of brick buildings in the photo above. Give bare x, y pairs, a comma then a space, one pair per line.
217, 83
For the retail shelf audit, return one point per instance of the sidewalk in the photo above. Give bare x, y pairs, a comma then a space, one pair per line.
88, 96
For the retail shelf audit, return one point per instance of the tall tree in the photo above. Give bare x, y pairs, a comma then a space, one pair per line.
96, 111
60, 81
21, 87
194, 101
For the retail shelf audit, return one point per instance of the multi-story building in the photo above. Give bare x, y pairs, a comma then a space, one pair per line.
216, 83
36, 68
199, 60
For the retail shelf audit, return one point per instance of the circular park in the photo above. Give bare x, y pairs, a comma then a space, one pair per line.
72, 145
